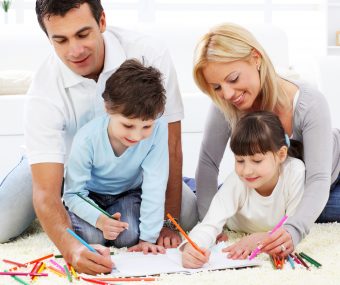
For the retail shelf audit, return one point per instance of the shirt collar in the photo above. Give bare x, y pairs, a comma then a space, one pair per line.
114, 57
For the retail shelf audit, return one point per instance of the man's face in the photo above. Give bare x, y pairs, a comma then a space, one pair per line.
77, 40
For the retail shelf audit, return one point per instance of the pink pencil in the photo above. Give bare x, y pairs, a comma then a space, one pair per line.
23, 274
257, 250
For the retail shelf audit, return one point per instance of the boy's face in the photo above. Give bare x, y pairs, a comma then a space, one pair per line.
78, 41
128, 132
260, 171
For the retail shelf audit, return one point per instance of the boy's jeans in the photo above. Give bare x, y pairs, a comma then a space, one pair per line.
127, 204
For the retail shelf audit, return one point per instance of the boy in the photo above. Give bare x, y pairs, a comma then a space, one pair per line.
120, 161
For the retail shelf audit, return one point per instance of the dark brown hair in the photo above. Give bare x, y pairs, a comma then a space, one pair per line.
47, 8
260, 132
135, 91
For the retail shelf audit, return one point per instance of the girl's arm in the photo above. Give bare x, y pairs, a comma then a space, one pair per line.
215, 139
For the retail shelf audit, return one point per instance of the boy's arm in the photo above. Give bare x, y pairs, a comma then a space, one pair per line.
169, 238
47, 181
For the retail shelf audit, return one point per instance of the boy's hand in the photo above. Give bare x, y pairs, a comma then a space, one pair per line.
191, 258
111, 228
147, 247
245, 246
169, 238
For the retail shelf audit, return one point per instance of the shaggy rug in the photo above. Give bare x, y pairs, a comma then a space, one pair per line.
323, 244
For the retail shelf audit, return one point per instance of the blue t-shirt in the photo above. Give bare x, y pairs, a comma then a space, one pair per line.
93, 166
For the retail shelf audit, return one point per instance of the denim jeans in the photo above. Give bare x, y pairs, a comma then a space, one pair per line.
16, 205
17, 212
127, 204
331, 212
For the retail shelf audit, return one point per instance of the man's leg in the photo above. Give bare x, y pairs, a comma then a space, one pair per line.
16, 205
189, 212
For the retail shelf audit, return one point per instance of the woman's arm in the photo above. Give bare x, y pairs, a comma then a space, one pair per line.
215, 139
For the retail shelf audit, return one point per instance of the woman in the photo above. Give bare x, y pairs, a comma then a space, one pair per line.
233, 69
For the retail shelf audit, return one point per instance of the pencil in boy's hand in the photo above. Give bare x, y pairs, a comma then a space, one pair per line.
194, 245
94, 205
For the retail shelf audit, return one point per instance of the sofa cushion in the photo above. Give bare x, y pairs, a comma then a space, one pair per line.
14, 82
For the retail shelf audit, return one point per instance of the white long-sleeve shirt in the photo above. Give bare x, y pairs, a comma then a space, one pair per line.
242, 209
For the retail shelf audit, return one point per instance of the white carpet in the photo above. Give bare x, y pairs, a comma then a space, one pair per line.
323, 244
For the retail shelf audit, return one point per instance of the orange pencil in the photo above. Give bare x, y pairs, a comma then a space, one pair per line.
184, 234
111, 279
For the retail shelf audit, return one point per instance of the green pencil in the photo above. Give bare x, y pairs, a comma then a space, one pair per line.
94, 205
69, 277
311, 260
18, 279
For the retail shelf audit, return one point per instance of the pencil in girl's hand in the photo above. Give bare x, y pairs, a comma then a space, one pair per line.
194, 245
94, 205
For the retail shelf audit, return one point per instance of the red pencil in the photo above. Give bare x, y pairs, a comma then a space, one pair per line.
33, 261
125, 279
94, 281
302, 262
14, 262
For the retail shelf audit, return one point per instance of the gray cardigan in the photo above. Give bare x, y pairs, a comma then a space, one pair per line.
311, 126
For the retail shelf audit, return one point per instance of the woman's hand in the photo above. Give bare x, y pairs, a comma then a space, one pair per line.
221, 237
147, 247
191, 258
278, 243
111, 228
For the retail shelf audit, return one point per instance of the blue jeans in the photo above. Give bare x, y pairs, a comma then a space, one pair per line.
128, 204
17, 211
331, 212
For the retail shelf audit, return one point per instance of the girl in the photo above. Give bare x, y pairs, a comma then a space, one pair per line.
265, 186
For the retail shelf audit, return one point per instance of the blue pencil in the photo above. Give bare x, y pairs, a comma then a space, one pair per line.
81, 240
291, 261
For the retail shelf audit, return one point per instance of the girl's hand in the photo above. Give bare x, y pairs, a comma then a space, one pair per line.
245, 246
111, 228
191, 258
221, 237
279, 243
147, 247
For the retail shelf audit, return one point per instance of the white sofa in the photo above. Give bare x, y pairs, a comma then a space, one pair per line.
26, 47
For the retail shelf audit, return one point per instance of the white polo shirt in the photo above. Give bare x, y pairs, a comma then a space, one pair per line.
60, 101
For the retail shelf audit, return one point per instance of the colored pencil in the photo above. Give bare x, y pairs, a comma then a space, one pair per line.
301, 260
291, 261
273, 261
74, 273
22, 274
14, 262
58, 256
311, 260
94, 281
35, 268
117, 279
56, 271
40, 269
81, 240
57, 265
94, 205
18, 279
34, 261
68, 274
295, 259
257, 250
194, 245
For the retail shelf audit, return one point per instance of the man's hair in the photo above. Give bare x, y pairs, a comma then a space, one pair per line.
48, 8
135, 91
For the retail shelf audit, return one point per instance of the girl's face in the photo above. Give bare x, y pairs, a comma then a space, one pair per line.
260, 171
128, 132
236, 82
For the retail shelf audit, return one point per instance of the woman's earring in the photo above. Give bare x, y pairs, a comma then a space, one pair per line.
258, 67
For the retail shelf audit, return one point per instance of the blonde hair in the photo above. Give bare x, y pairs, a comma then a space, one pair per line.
227, 43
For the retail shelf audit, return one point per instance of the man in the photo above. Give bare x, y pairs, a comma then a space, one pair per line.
64, 95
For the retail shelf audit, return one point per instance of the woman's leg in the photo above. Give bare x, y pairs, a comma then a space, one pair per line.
331, 212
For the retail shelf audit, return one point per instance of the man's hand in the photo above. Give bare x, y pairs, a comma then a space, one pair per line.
111, 228
85, 261
147, 247
169, 238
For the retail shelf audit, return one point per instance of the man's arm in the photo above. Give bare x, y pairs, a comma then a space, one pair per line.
47, 182
173, 198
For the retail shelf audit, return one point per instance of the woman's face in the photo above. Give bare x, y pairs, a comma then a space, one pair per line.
236, 82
